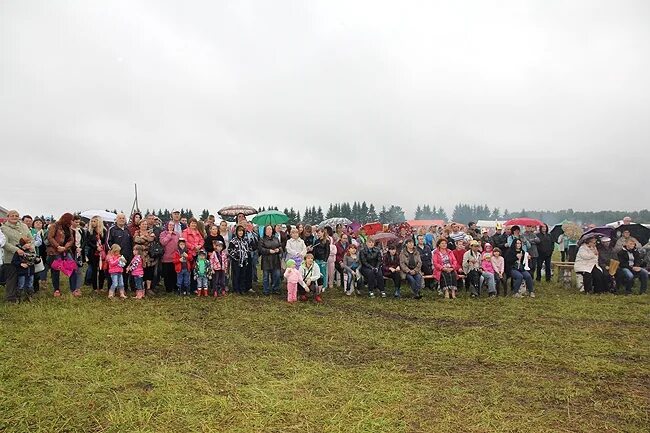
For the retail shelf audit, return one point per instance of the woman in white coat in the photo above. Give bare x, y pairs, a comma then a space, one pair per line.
586, 264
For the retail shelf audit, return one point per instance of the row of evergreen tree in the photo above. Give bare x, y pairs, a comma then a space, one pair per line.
463, 213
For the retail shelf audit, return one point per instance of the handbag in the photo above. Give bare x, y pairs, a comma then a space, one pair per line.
39, 267
156, 250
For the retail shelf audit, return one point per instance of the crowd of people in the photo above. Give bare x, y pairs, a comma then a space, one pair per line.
206, 258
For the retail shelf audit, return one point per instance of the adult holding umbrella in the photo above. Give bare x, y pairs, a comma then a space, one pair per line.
269, 218
62, 248
270, 250
638, 232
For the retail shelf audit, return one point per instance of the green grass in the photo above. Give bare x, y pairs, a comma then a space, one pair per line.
561, 362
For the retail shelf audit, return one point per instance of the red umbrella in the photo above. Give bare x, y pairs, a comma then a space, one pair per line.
524, 222
373, 228
425, 223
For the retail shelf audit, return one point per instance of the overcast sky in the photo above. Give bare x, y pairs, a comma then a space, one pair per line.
521, 104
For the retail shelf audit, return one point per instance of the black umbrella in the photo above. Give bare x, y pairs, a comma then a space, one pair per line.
640, 232
556, 232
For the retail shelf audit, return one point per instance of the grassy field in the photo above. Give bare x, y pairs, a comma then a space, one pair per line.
562, 362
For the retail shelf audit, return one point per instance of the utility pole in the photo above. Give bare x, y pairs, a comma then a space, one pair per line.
136, 206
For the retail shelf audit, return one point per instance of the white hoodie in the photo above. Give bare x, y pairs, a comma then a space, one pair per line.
296, 248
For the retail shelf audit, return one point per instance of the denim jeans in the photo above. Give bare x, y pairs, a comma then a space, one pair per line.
26, 283
489, 277
628, 279
415, 281
271, 278
322, 265
518, 277
183, 280
201, 282
117, 281
138, 283
56, 275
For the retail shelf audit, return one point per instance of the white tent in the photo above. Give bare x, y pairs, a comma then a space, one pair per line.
106, 216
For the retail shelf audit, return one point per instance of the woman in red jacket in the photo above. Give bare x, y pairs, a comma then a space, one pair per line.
194, 241
444, 268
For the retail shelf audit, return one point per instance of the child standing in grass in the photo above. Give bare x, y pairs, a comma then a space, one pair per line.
202, 274
219, 263
182, 268
294, 278
116, 263
136, 269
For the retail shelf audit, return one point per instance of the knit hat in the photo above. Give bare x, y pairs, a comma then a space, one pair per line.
291, 263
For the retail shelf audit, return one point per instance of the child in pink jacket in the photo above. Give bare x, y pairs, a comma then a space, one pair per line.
219, 263
137, 271
116, 262
294, 277
498, 264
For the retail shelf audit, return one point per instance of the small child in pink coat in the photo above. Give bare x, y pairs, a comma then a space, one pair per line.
294, 277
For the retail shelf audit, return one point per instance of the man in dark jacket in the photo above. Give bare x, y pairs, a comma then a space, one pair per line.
426, 255
630, 267
119, 234
371, 267
545, 250
499, 240
270, 250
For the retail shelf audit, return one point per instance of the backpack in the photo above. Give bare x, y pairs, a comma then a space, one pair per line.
156, 249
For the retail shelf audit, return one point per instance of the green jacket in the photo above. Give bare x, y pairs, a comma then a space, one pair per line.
13, 233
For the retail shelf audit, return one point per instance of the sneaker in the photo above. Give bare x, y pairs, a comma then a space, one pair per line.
57, 293
371, 294
383, 294
532, 294
77, 293
473, 295
318, 299
251, 291
492, 295
397, 295
348, 292
418, 296
440, 292
517, 295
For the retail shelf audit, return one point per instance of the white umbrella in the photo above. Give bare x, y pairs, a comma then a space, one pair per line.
106, 216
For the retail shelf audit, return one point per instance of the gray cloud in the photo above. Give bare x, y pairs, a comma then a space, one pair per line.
522, 104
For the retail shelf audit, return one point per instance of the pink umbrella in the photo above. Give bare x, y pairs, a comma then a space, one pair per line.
65, 265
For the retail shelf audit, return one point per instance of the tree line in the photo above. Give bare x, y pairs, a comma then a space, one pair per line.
463, 213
